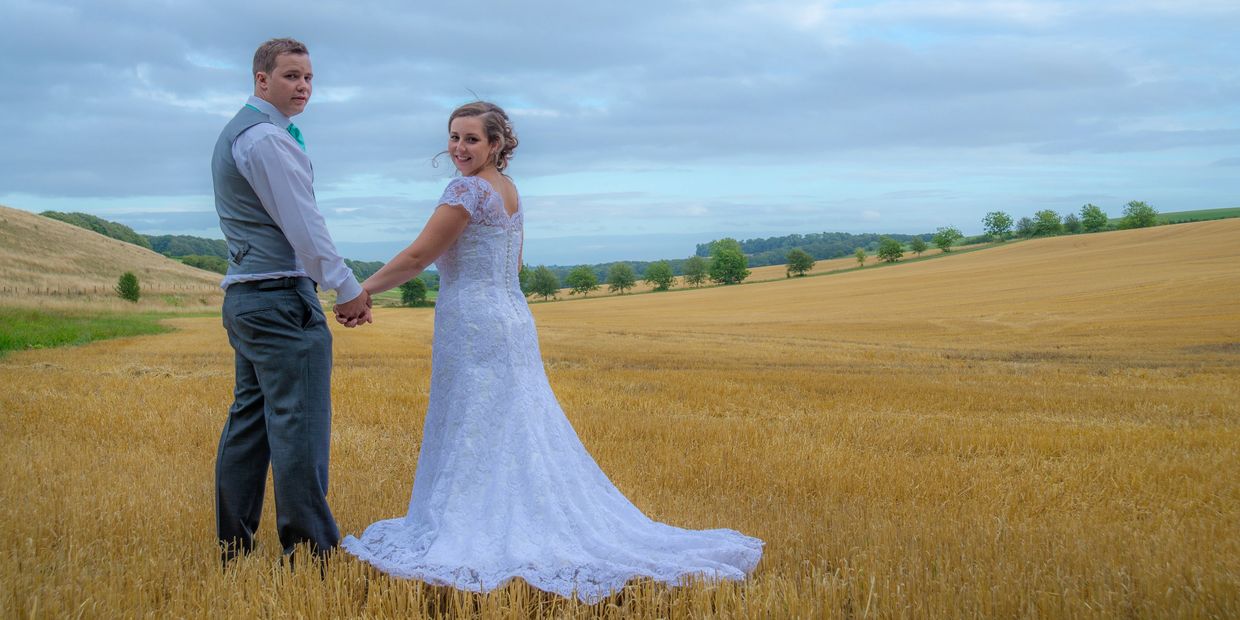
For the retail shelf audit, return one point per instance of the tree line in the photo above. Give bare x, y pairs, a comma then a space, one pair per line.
723, 261
886, 247
104, 227
820, 246
1000, 226
727, 264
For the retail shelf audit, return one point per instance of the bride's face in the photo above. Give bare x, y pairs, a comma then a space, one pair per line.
468, 146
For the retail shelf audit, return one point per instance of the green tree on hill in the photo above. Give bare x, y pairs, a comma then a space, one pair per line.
799, 262
728, 264
177, 246
859, 254
890, 250
726, 243
413, 292
1046, 222
1071, 223
525, 276
659, 275
104, 227
695, 270
1093, 218
363, 269
620, 277
821, 246
997, 224
1024, 227
946, 236
917, 245
209, 263
543, 282
127, 287
582, 280
1137, 214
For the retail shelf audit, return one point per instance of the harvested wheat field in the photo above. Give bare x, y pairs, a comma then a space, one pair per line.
1045, 429
54, 265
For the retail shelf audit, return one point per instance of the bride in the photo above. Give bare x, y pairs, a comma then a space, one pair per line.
503, 487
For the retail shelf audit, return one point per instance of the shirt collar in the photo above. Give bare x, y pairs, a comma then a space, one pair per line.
266, 108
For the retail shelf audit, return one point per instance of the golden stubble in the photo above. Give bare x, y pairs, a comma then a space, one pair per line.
1050, 428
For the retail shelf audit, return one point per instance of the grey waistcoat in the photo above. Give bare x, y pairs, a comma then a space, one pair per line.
255, 243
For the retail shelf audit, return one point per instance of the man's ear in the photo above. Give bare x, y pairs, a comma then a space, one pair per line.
260, 80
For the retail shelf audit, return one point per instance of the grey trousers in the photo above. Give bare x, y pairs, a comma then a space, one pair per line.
281, 415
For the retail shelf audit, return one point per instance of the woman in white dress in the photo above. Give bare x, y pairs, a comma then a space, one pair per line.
504, 488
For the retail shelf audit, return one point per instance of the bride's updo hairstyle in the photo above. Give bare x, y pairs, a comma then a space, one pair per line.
496, 125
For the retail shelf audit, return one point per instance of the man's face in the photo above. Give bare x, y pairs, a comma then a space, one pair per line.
287, 87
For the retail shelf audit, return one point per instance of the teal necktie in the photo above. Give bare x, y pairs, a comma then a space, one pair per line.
291, 129
296, 133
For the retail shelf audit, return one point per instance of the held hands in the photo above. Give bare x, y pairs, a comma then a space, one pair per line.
355, 311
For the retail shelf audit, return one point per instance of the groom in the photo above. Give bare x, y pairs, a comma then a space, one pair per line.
279, 249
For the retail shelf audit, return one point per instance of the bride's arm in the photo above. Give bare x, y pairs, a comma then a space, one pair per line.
439, 234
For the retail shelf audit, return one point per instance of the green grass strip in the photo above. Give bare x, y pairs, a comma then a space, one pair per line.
23, 328
1201, 215
392, 297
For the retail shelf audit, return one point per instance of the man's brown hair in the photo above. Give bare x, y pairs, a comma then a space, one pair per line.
267, 53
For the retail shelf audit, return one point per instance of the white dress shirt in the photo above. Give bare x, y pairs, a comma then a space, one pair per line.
282, 176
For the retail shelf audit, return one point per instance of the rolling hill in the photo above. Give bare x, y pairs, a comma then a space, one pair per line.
48, 263
1084, 293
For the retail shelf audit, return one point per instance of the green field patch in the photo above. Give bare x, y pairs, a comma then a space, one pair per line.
1201, 215
391, 297
23, 328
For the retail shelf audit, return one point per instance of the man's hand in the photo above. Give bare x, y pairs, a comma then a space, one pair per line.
354, 312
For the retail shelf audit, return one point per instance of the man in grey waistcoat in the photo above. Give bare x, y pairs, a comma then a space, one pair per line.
279, 250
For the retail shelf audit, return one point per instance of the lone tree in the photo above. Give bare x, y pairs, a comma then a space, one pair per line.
1047, 222
917, 245
695, 270
582, 280
728, 264
659, 275
799, 262
1024, 227
543, 282
945, 237
620, 277
127, 287
890, 250
1137, 214
859, 254
1093, 218
998, 225
413, 292
526, 278
1071, 223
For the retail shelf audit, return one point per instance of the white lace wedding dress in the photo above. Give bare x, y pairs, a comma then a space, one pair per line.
503, 487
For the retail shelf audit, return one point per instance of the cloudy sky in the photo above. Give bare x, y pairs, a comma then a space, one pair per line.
645, 127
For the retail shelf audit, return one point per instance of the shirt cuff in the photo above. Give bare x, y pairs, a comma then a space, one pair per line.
348, 291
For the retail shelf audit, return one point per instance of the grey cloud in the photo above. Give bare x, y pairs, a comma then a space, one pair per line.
159, 222
1134, 141
916, 194
126, 98
1077, 199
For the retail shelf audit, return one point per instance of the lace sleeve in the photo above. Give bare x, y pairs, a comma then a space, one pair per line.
467, 193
